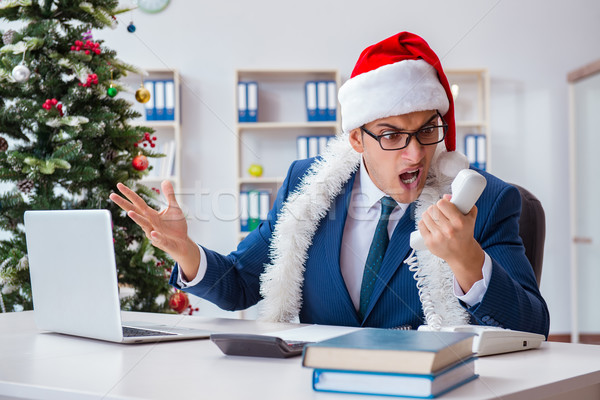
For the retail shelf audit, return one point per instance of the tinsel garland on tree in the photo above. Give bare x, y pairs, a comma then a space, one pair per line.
65, 141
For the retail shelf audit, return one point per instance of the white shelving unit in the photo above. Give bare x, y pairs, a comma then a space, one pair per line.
282, 117
165, 131
472, 107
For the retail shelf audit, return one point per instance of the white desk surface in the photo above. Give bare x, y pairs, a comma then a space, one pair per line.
44, 365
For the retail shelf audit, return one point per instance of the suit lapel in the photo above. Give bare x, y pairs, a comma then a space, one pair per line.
398, 250
334, 222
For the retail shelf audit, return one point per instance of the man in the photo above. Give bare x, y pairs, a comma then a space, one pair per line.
335, 248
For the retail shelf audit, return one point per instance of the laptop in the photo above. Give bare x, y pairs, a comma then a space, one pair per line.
74, 279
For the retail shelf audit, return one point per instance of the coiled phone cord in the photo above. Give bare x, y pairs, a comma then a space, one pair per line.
431, 317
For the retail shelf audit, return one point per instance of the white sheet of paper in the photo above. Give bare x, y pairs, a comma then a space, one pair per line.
313, 333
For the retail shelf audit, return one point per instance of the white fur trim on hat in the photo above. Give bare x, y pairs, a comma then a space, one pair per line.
394, 89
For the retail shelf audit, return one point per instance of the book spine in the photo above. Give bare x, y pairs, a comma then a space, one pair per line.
481, 152
311, 101
322, 144
331, 101
169, 100
313, 146
149, 105
244, 211
471, 149
302, 147
253, 209
242, 102
264, 205
252, 93
159, 102
321, 101
389, 384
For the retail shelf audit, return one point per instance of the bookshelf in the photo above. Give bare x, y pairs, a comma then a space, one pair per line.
472, 108
271, 141
167, 132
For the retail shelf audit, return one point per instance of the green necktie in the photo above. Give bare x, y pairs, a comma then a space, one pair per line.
376, 254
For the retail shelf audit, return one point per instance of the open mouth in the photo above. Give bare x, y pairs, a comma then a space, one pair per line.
409, 177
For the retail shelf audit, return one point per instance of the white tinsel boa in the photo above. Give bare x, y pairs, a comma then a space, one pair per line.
301, 214
299, 218
434, 276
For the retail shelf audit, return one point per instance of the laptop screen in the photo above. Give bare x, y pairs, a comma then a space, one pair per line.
73, 272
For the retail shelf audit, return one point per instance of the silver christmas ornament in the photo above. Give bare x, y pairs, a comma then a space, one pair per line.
21, 73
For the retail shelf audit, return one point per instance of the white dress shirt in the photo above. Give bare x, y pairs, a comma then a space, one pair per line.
362, 219
361, 222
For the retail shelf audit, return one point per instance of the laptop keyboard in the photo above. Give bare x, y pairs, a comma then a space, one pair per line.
128, 331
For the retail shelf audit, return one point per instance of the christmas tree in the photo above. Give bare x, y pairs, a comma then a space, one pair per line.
66, 139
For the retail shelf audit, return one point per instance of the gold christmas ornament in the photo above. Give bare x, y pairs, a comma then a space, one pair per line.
142, 94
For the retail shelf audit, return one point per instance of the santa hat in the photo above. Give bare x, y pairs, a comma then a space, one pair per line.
396, 76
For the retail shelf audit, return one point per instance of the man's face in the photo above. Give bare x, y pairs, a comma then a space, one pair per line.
399, 173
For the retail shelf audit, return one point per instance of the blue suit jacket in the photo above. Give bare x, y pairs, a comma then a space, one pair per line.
512, 299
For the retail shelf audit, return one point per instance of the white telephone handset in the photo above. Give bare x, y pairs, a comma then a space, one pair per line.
466, 189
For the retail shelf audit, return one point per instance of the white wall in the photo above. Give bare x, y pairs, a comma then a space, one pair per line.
528, 47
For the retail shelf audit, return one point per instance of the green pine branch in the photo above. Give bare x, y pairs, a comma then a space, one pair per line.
72, 156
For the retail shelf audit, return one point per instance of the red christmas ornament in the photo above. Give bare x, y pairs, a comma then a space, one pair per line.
87, 47
49, 103
140, 162
147, 140
91, 79
179, 302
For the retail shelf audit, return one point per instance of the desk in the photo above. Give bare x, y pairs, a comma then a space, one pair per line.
43, 365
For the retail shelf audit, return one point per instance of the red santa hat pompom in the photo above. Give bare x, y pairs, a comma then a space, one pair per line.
396, 76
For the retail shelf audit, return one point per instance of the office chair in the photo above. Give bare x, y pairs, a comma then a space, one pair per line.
532, 230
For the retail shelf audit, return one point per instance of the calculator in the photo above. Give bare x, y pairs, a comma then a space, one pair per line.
241, 344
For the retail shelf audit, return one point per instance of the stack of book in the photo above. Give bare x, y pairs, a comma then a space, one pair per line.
475, 150
247, 98
392, 362
254, 208
311, 146
321, 100
161, 106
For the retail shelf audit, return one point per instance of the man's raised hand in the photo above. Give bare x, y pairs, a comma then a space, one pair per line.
166, 229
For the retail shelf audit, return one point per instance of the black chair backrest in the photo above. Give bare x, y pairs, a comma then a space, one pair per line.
532, 230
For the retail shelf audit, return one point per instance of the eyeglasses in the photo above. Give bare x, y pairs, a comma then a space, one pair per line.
396, 140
